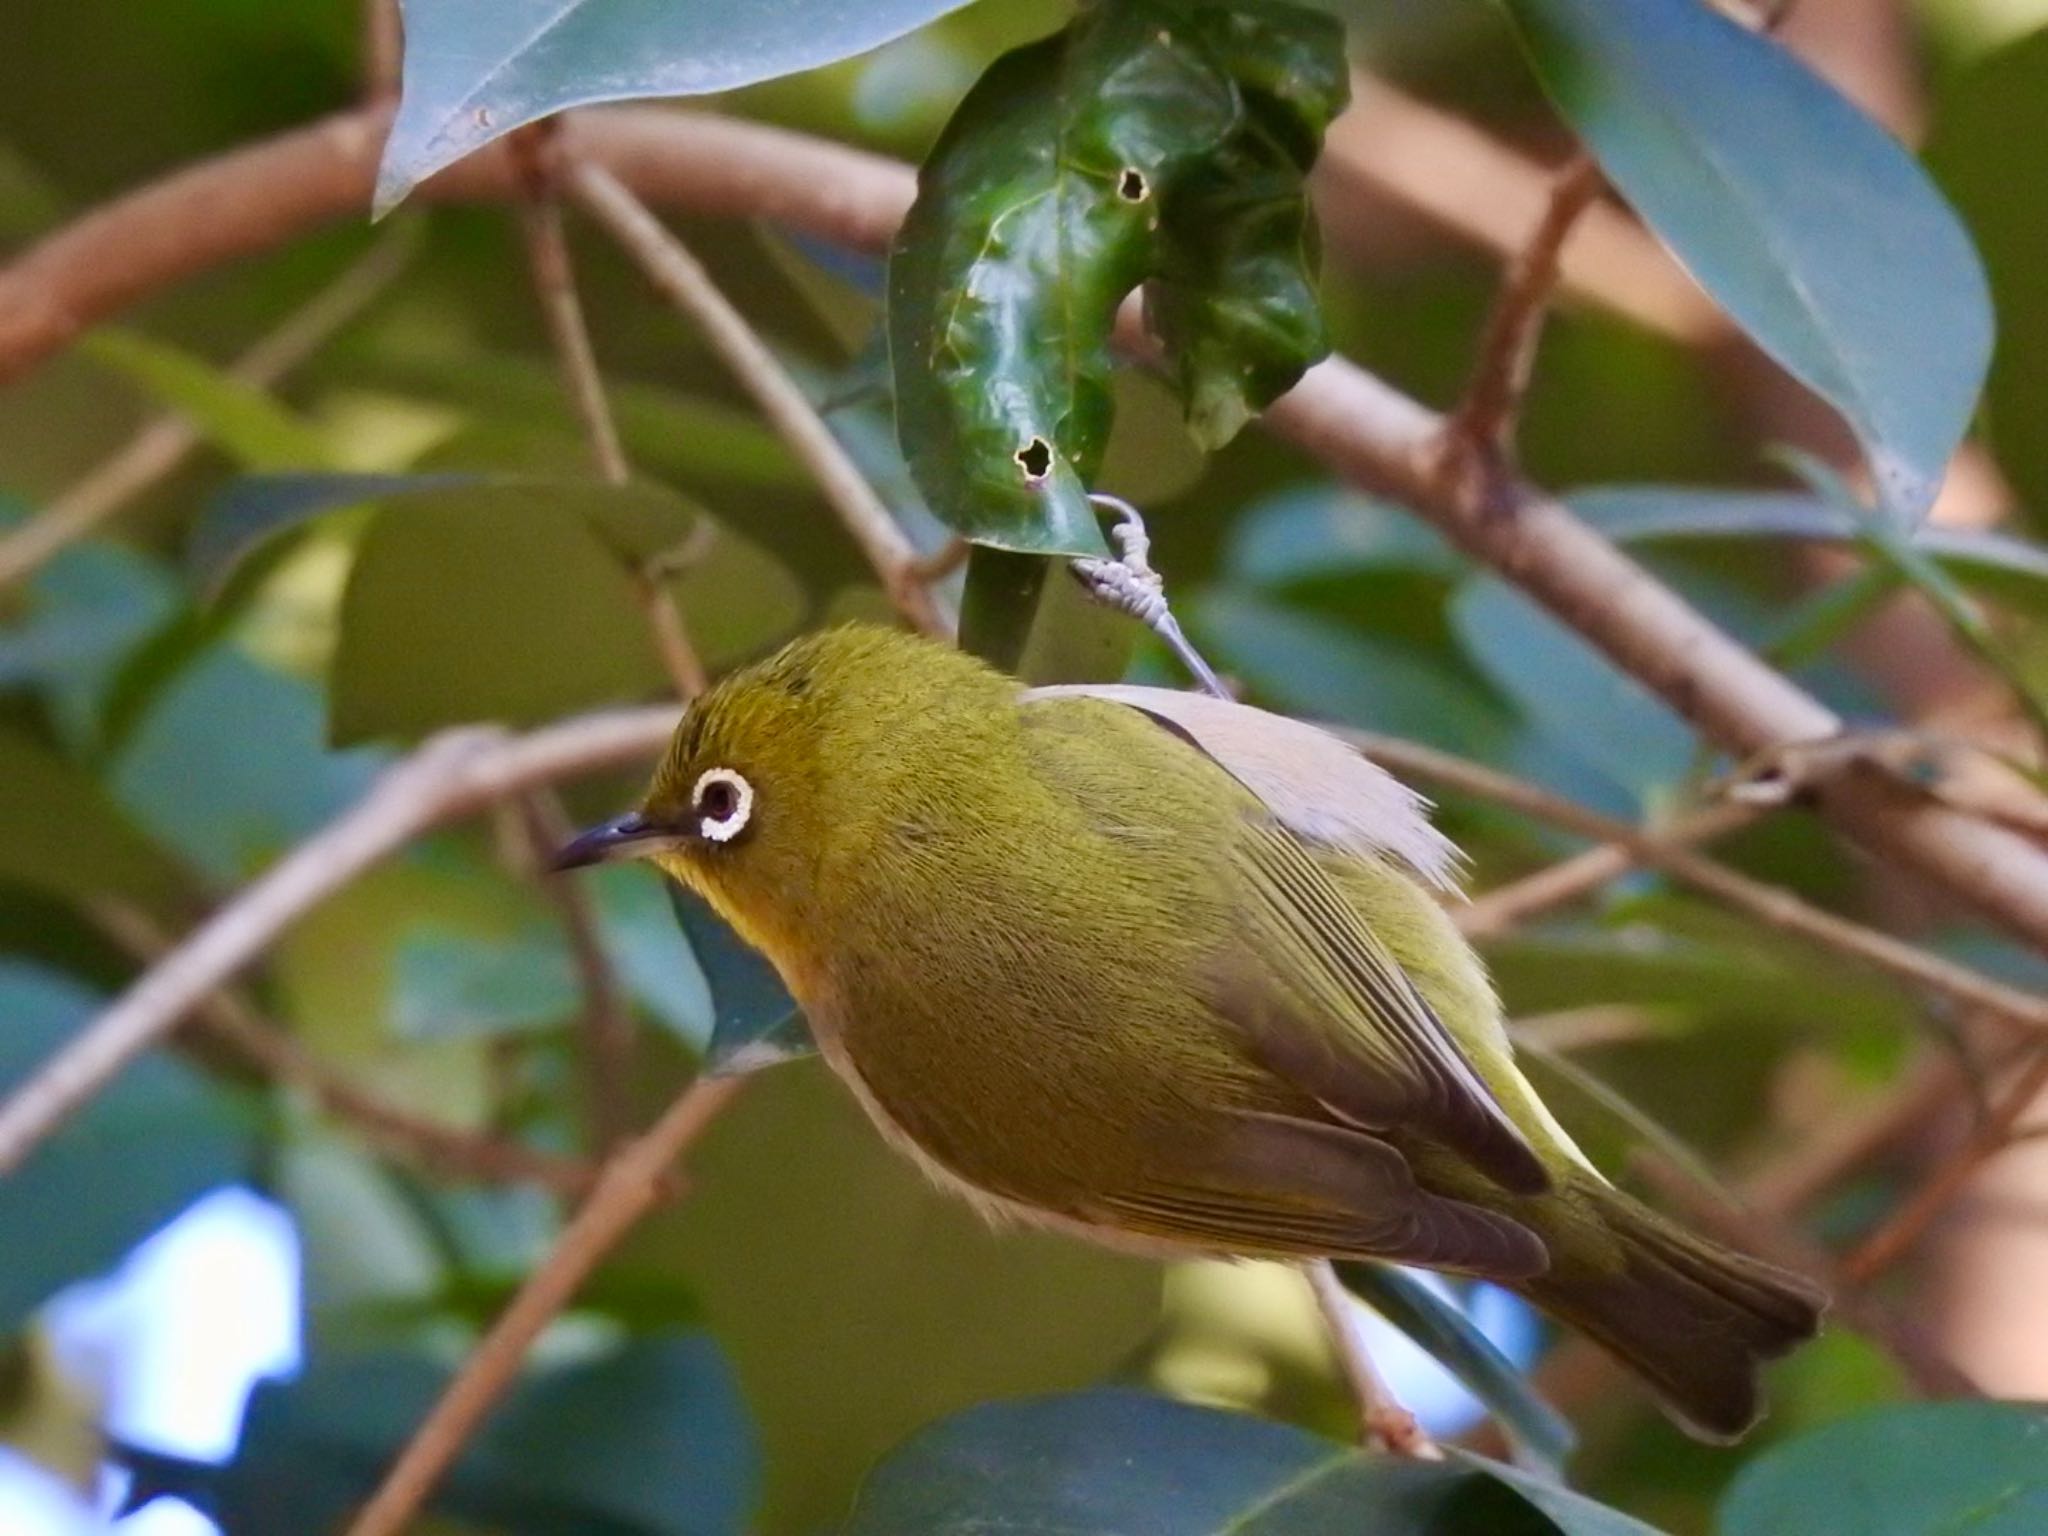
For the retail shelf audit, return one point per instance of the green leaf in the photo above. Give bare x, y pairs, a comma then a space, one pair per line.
1541, 1435
1317, 532
1124, 1464
1988, 147
1896, 549
511, 601
80, 616
1150, 142
1922, 1469
755, 1022
476, 69
254, 514
2009, 570
1234, 298
238, 418
463, 986
1813, 228
1575, 695
135, 1156
652, 958
61, 831
228, 764
682, 437
1304, 664
648, 1437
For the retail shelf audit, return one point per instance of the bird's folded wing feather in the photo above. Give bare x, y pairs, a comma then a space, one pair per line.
1325, 1004
1277, 1186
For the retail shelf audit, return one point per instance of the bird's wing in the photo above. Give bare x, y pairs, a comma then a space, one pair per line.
1314, 783
1278, 1186
1325, 1004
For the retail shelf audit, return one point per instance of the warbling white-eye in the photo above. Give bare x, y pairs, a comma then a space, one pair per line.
1169, 973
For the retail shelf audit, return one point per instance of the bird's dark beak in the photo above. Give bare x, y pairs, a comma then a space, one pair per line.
630, 836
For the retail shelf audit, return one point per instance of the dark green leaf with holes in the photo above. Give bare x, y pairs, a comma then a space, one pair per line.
1150, 142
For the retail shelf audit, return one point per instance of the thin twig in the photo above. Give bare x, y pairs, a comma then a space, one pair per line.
943, 561
681, 279
607, 1021
1478, 435
1506, 906
626, 1188
538, 165
383, 50
161, 445
1846, 1143
1903, 1228
1779, 908
449, 775
1382, 1419
436, 1147
537, 160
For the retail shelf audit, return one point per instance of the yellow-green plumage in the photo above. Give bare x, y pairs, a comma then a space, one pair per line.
1073, 963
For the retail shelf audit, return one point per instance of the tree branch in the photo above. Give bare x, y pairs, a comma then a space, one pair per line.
1506, 906
450, 775
1903, 1228
629, 1185
1769, 904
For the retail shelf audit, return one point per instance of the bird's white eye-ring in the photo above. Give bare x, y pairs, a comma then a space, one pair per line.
722, 800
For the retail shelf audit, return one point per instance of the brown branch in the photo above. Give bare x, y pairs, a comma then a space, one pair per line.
1478, 435
383, 50
627, 1187
452, 774
1847, 1143
607, 1021
1382, 440
682, 280
1779, 908
537, 164
1359, 426
1391, 152
433, 1146
162, 445
1904, 1227
1506, 906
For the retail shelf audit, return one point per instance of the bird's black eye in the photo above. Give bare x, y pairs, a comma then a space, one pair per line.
723, 801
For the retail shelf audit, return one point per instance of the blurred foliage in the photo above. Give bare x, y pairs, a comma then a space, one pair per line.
405, 535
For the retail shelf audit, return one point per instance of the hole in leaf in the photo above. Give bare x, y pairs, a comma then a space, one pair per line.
1132, 186
1035, 459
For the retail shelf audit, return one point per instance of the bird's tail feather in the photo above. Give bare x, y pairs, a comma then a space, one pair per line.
1694, 1319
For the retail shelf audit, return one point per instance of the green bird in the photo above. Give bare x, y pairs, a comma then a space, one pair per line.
1171, 974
